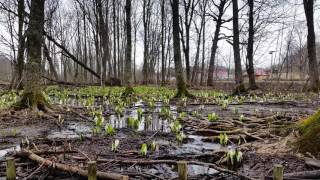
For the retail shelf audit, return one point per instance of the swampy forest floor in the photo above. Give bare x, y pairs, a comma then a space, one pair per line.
144, 135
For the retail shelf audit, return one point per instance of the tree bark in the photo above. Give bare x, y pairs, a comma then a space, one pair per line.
21, 39
50, 61
204, 2
215, 42
163, 65
146, 25
114, 39
32, 96
128, 74
311, 45
104, 36
85, 58
181, 85
189, 8
236, 49
195, 70
250, 68
136, 24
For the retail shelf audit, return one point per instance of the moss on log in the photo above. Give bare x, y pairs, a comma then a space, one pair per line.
309, 140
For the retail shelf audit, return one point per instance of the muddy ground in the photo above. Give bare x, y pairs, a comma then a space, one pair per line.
267, 135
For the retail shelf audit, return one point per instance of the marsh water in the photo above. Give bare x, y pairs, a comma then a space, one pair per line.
152, 122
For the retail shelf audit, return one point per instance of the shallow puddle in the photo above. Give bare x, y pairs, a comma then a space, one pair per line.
150, 121
195, 145
4, 152
169, 171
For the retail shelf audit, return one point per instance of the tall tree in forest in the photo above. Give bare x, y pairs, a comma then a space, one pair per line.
181, 85
104, 36
249, 64
163, 65
85, 53
189, 9
128, 74
236, 49
21, 47
309, 128
311, 45
32, 96
214, 47
114, 39
195, 70
203, 11
146, 25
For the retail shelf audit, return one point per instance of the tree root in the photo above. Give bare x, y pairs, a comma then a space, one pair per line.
240, 90
304, 174
72, 169
312, 162
33, 101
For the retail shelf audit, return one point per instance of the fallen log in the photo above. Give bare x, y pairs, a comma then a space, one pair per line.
312, 162
304, 174
130, 161
212, 132
24, 153
72, 169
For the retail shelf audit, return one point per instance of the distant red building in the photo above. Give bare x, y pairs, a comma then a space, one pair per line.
260, 74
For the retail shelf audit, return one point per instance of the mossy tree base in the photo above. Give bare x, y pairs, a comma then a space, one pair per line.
34, 101
309, 140
253, 87
239, 90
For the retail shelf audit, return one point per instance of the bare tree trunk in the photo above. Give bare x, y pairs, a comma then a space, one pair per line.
221, 9
311, 44
236, 49
181, 85
49, 59
146, 25
104, 36
114, 39
76, 74
250, 68
135, 50
163, 66
97, 43
20, 59
85, 58
189, 8
118, 43
128, 74
32, 96
195, 70
203, 42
